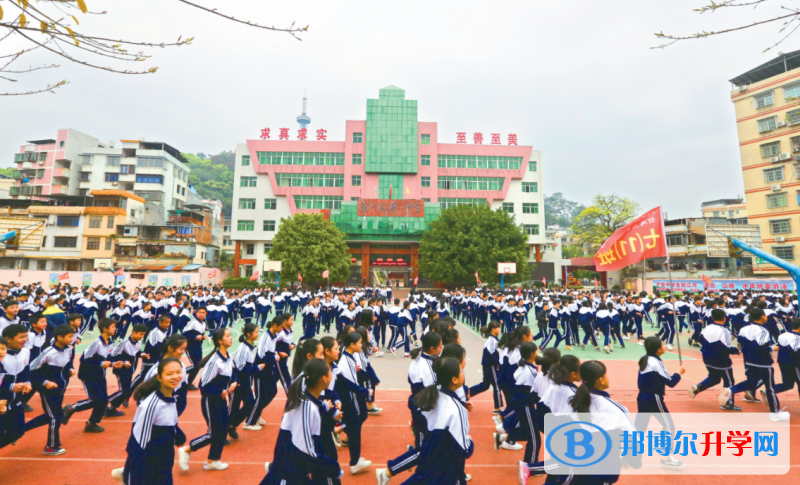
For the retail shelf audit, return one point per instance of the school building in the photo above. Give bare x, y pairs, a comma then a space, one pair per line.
766, 101
382, 185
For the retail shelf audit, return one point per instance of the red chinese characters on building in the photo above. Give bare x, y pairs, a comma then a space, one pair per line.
322, 134
284, 134
512, 139
390, 208
264, 133
477, 138
302, 134
461, 137
495, 138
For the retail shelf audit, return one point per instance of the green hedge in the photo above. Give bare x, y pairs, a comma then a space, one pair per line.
242, 283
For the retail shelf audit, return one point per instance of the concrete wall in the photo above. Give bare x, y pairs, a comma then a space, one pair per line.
106, 278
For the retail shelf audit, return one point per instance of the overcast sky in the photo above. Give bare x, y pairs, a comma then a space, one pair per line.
577, 80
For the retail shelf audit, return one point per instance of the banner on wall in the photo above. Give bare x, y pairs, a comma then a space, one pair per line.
726, 285
185, 281
152, 280
119, 280
54, 278
87, 279
166, 282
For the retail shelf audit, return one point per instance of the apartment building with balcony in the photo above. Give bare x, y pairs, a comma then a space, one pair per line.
733, 211
74, 164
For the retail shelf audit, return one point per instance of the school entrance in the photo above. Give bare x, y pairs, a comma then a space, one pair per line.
375, 263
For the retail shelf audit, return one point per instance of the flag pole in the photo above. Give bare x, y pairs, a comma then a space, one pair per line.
674, 313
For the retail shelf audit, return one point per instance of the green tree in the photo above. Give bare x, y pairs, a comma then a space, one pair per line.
308, 244
558, 210
212, 179
601, 219
465, 239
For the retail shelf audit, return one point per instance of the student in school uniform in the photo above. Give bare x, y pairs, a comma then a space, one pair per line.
444, 453
553, 321
50, 374
15, 366
652, 381
37, 341
155, 431
310, 319
9, 317
195, 333
216, 384
788, 360
716, 348
92, 372
151, 353
122, 315
300, 457
284, 345
758, 370
353, 398
490, 360
246, 371
174, 347
127, 352
265, 380
524, 404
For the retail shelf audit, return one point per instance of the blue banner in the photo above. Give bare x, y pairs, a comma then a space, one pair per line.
727, 285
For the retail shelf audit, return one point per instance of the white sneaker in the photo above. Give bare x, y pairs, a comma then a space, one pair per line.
641, 342
116, 474
183, 459
251, 427
215, 465
779, 416
467, 477
378, 355
261, 422
499, 439
523, 472
500, 429
497, 420
508, 446
405, 356
693, 392
669, 347
724, 396
360, 466
266, 466
380, 474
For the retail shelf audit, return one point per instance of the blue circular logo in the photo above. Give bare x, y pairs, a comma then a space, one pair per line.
572, 445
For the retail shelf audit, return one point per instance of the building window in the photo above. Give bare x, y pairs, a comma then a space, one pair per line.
771, 149
270, 204
425, 160
247, 182
127, 169
356, 159
354, 198
425, 139
227, 228
248, 270
773, 174
447, 202
529, 208
84, 176
245, 160
300, 158
44, 241
178, 189
109, 243
269, 226
310, 179
730, 213
470, 183
250, 249
355, 180
425, 181
479, 161
785, 252
781, 226
716, 214
531, 229
226, 242
65, 242
113, 160
426, 199
777, 200
793, 116
791, 91
795, 141
267, 248
112, 177
763, 100
530, 187
150, 179
767, 124
247, 203
532, 166
676, 240
67, 221
92, 243
157, 162
358, 138
59, 265
318, 202
95, 222
508, 207
247, 225
85, 159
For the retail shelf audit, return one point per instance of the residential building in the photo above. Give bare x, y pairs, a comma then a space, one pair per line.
766, 101
382, 185
74, 164
734, 211
227, 243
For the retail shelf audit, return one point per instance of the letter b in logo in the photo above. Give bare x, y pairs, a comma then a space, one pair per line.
579, 444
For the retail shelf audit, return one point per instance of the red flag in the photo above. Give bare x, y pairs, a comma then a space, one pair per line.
63, 276
212, 273
254, 277
416, 280
596, 283
390, 191
476, 277
519, 293
641, 238
300, 277
324, 274
119, 272
544, 281
706, 281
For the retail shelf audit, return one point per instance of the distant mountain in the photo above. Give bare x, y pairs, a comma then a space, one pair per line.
212, 177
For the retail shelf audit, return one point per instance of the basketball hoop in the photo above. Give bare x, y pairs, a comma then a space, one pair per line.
506, 268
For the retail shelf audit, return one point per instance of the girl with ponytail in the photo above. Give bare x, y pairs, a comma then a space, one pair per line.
353, 398
446, 449
524, 406
509, 363
245, 370
216, 383
296, 455
491, 363
174, 347
309, 349
266, 385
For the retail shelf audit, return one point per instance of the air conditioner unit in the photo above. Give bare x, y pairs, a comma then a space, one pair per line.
781, 124
780, 239
41, 162
785, 156
114, 184
775, 188
797, 158
774, 160
742, 89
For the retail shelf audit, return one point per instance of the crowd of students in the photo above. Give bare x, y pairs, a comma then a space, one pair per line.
331, 386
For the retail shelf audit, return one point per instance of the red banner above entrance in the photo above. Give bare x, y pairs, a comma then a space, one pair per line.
391, 208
